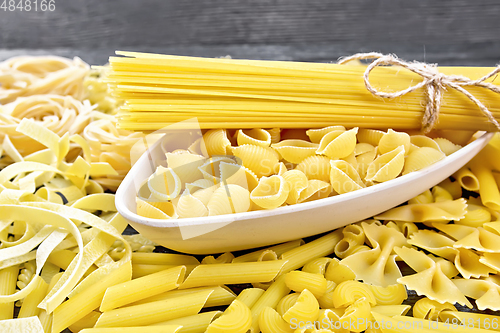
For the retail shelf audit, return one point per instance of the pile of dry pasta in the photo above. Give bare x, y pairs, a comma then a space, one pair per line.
160, 90
64, 263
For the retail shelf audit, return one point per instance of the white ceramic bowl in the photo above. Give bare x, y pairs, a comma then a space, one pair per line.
215, 234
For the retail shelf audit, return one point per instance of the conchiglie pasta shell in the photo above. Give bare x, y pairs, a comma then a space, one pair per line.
164, 184
315, 135
199, 184
256, 136
362, 148
316, 189
294, 150
392, 140
338, 144
204, 195
421, 158
344, 177
370, 136
185, 165
387, 166
271, 192
275, 134
216, 142
144, 192
146, 209
316, 167
424, 141
297, 182
364, 160
446, 146
238, 175
228, 199
198, 147
261, 160
190, 206
281, 169
211, 168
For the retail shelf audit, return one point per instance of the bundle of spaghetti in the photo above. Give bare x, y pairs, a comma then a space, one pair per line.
28, 75
160, 90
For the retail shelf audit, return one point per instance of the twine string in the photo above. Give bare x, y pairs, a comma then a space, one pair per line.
433, 82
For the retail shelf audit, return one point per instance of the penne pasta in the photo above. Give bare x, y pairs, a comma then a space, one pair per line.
245, 272
191, 324
8, 280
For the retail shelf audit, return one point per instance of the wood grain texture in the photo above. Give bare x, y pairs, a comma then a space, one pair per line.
446, 31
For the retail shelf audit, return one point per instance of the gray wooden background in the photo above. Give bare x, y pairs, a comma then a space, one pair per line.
450, 32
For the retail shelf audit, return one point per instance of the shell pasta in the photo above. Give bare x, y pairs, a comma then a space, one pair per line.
226, 172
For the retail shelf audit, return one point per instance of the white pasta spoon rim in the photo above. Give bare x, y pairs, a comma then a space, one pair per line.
455, 160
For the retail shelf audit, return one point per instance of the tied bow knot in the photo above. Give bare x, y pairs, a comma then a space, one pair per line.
433, 82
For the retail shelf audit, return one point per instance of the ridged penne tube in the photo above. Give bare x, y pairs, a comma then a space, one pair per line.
146, 209
320, 247
315, 190
347, 292
316, 167
185, 165
229, 199
164, 183
8, 280
146, 286
467, 179
249, 296
338, 144
306, 308
256, 136
29, 307
245, 272
446, 146
387, 166
238, 175
81, 304
297, 181
236, 318
261, 160
276, 291
488, 189
154, 312
315, 135
392, 140
191, 324
140, 270
210, 169
394, 294
326, 301
421, 158
278, 249
345, 247
163, 259
271, 192
299, 280
136, 329
294, 150
216, 142
221, 295
344, 177
317, 266
190, 206
286, 303
86, 322
425, 308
